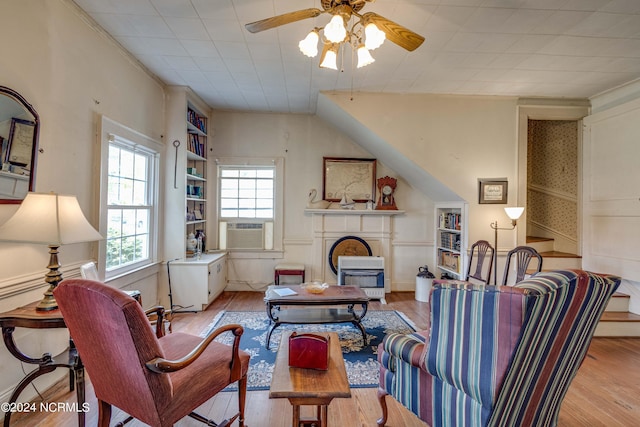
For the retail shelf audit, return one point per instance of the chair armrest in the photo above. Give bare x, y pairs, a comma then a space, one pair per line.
161, 365
158, 312
407, 347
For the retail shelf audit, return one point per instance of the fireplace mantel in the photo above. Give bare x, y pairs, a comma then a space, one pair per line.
352, 212
329, 225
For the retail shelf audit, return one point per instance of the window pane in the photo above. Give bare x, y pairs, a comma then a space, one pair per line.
229, 213
264, 213
126, 163
265, 173
113, 191
128, 222
229, 173
114, 160
114, 224
247, 203
228, 203
247, 173
228, 193
140, 172
139, 193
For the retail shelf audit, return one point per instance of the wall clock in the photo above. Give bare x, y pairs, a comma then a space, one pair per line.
386, 190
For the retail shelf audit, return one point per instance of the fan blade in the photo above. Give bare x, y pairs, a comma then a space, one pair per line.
287, 18
398, 34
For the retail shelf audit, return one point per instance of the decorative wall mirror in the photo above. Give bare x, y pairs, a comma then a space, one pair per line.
19, 128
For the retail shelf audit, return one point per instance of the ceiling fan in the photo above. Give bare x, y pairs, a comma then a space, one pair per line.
366, 33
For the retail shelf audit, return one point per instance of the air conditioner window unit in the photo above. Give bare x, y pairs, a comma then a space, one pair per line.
241, 235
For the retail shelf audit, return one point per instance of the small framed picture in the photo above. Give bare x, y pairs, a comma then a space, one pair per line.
492, 190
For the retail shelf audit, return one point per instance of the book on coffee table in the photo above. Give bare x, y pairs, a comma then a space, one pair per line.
284, 292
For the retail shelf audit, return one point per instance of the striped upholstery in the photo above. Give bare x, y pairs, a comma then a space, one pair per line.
496, 355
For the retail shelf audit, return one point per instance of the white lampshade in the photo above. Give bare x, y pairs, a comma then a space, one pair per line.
514, 213
49, 219
329, 58
309, 45
364, 57
373, 36
335, 31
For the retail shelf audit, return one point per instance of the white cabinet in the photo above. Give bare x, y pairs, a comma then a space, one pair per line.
195, 283
451, 239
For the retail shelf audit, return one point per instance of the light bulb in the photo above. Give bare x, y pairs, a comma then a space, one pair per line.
334, 31
373, 36
309, 45
364, 57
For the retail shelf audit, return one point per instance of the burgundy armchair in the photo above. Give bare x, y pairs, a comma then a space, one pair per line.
155, 380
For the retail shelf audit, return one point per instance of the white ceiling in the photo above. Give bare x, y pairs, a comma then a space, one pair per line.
527, 48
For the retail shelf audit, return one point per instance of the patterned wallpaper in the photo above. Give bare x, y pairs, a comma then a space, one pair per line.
552, 168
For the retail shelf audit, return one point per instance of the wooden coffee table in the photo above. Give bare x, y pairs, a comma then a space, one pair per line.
297, 309
310, 386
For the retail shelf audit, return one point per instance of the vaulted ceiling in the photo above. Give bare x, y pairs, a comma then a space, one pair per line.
528, 48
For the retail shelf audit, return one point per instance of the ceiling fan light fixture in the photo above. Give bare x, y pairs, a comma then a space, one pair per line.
364, 57
329, 58
335, 30
309, 45
373, 36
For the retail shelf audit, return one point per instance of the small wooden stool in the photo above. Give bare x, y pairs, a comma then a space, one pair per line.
288, 269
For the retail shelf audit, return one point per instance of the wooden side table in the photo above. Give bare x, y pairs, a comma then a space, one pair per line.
28, 317
310, 386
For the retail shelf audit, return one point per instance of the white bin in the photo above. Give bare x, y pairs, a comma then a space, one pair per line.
423, 288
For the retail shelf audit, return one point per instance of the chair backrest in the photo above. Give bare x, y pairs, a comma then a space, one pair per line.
523, 255
506, 355
113, 337
562, 311
480, 251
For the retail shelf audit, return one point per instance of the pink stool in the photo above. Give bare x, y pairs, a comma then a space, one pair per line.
288, 269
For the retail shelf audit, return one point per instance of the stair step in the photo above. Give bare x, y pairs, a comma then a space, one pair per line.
540, 244
555, 260
618, 324
619, 302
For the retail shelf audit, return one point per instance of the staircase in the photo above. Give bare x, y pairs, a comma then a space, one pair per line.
616, 321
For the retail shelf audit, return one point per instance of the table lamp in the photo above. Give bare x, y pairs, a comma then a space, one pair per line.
49, 219
513, 214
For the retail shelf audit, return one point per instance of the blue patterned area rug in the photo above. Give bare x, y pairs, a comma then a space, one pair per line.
360, 361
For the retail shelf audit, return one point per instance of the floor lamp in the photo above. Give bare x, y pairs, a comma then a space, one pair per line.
49, 219
514, 214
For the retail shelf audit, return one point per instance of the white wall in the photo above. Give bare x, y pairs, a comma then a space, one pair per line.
70, 73
303, 141
456, 139
611, 200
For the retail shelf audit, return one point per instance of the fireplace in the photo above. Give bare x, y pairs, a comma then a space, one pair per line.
367, 272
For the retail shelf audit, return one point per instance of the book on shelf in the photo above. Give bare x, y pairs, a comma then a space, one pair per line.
450, 220
197, 120
450, 261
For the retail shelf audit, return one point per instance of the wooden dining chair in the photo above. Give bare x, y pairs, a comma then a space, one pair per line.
480, 251
523, 256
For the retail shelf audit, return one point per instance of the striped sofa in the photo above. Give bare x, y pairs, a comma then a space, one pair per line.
495, 355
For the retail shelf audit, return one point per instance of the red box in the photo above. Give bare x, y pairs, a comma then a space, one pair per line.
309, 351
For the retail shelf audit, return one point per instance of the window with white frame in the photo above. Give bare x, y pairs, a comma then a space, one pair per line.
247, 208
129, 201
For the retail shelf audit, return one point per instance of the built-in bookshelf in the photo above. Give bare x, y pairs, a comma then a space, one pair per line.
451, 239
196, 173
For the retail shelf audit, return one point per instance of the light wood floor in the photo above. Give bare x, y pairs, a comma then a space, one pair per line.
606, 391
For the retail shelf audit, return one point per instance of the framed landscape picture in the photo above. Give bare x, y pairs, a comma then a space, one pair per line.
492, 191
353, 178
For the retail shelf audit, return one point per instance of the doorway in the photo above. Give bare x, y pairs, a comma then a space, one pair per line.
549, 175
